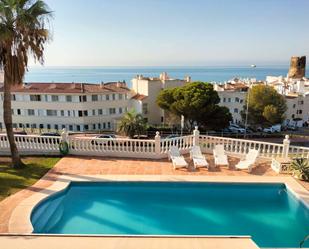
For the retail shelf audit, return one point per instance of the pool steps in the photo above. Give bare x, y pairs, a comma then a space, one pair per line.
50, 211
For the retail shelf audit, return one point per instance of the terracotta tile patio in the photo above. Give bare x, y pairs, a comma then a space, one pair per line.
116, 166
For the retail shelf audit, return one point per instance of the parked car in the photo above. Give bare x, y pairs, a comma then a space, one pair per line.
104, 142
291, 127
172, 136
51, 140
273, 129
236, 129
50, 134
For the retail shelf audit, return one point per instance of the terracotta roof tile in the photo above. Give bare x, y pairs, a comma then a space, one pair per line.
70, 88
139, 97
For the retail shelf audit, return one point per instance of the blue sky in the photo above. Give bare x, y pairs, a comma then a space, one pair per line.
177, 32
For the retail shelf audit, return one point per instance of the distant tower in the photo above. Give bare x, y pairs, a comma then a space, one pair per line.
297, 67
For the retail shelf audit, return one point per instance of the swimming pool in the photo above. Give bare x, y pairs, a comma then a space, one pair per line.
267, 212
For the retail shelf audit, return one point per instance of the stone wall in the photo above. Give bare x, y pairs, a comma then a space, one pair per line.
297, 67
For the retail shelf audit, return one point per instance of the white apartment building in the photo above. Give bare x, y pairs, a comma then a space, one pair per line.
296, 92
74, 106
145, 91
233, 96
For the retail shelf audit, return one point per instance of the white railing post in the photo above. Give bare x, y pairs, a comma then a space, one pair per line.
196, 136
286, 147
157, 143
64, 135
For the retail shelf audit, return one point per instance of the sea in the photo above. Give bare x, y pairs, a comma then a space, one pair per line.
214, 74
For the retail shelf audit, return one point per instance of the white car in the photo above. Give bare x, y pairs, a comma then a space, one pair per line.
236, 129
273, 129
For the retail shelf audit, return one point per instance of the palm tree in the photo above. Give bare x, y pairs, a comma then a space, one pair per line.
132, 124
23, 33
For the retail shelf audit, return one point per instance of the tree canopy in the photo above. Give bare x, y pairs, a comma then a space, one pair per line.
23, 34
132, 124
266, 106
198, 103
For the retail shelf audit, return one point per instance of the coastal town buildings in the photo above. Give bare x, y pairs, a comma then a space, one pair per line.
74, 106
144, 94
91, 107
233, 96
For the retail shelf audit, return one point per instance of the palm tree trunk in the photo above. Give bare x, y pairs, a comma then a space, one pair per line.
7, 117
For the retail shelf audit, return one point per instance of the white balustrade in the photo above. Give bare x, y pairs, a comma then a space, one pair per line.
31, 144
240, 146
152, 149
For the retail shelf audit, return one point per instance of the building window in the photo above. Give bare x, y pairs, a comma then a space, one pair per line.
224, 100
62, 113
13, 97
85, 113
235, 110
93, 127
80, 113
107, 97
35, 97
78, 127
41, 126
18, 112
241, 101
68, 98
94, 97
294, 105
54, 98
63, 126
108, 125
20, 125
99, 126
83, 98
31, 112
145, 108
69, 113
112, 111
71, 127
86, 127
48, 126
51, 113
56, 127
93, 112
104, 126
114, 96
162, 119
237, 100
100, 112
120, 96
229, 100
299, 112
120, 110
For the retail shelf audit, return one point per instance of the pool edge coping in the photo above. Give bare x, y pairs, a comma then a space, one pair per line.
20, 220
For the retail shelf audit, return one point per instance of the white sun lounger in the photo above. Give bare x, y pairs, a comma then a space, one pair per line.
197, 157
220, 155
177, 159
249, 161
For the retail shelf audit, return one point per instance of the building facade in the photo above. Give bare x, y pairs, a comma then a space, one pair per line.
74, 106
233, 96
145, 91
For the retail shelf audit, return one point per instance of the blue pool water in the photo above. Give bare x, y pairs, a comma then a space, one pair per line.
267, 212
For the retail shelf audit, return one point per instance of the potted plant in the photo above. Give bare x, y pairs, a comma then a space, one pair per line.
300, 168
